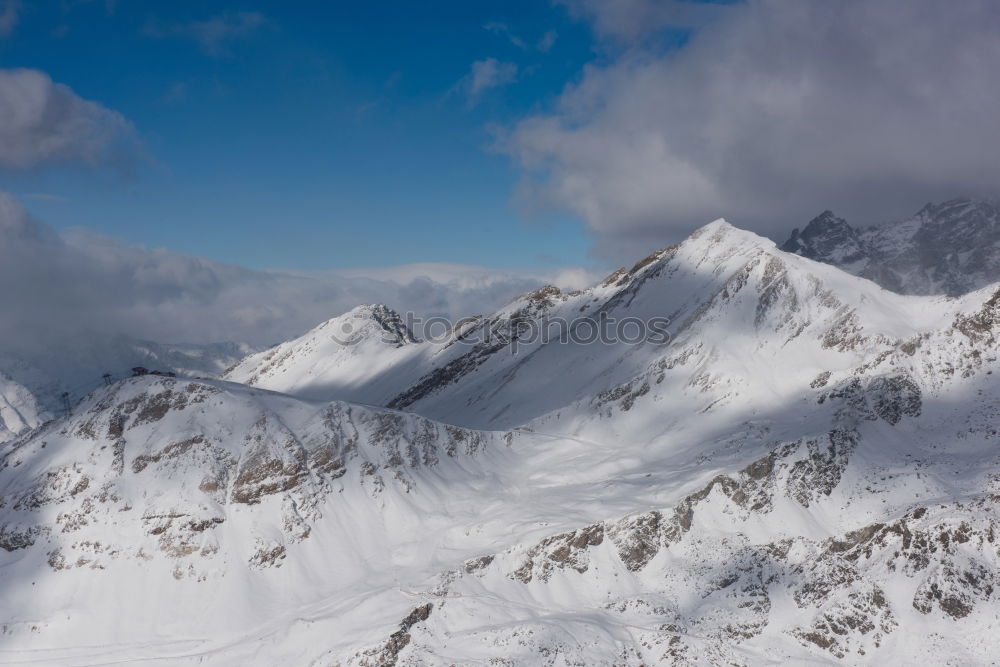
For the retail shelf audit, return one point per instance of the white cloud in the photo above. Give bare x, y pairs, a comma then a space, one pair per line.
177, 92
547, 41
42, 122
487, 74
544, 43
467, 276
503, 30
10, 14
56, 288
214, 35
772, 112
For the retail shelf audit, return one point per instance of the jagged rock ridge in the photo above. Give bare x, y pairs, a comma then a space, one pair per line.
951, 248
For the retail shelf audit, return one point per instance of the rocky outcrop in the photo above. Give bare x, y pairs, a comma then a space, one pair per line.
842, 597
152, 442
951, 248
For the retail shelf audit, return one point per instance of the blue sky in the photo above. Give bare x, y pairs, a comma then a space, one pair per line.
311, 135
314, 135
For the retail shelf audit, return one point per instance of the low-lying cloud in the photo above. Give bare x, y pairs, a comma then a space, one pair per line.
771, 112
64, 287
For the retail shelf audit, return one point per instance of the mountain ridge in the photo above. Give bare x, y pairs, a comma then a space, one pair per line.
711, 266
949, 248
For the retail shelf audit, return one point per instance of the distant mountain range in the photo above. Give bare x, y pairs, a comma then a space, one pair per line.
804, 473
78, 366
950, 248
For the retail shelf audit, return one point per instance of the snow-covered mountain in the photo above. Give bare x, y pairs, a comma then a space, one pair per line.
724, 292
950, 248
78, 368
196, 510
19, 411
804, 472
337, 358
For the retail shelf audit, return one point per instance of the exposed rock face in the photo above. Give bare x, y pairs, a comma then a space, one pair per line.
951, 248
843, 597
829, 239
388, 654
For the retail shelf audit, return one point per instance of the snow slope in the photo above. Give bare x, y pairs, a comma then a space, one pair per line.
196, 511
337, 358
806, 473
18, 409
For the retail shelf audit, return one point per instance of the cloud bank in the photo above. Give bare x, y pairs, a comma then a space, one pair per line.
62, 287
771, 112
43, 122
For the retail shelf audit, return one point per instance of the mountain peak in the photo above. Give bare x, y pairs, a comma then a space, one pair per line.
826, 219
827, 238
717, 226
385, 319
718, 234
342, 343
719, 229
948, 248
